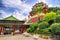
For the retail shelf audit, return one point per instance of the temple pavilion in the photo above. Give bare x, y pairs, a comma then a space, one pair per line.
12, 25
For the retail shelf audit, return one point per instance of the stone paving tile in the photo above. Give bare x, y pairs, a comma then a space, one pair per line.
18, 37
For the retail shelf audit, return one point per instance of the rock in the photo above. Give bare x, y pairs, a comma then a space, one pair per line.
35, 37
26, 34
45, 37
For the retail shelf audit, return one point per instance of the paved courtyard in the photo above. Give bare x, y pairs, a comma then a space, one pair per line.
18, 37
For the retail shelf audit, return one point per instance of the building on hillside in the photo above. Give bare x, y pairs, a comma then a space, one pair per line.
33, 18
45, 7
12, 25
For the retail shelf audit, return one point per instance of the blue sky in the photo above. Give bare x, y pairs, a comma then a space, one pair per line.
21, 8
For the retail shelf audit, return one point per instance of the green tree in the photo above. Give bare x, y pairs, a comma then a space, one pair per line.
43, 25
33, 27
54, 9
58, 19
50, 16
55, 29
43, 28
38, 9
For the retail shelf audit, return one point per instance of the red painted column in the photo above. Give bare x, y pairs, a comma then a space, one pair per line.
45, 11
23, 28
14, 28
0, 30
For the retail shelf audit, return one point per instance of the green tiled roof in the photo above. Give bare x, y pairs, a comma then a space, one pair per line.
10, 18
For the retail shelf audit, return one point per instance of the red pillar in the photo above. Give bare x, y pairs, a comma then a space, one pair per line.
44, 11
23, 28
0, 29
14, 28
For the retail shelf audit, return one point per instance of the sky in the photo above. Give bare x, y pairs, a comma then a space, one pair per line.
21, 8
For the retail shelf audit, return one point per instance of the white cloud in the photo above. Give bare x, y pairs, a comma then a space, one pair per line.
42, 1
4, 14
16, 14
46, 1
19, 16
18, 4
50, 6
11, 3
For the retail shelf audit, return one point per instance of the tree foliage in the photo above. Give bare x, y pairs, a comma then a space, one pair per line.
43, 25
38, 9
58, 19
32, 28
54, 9
55, 28
50, 16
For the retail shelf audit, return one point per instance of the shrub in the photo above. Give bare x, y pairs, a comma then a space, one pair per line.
55, 28
50, 16
45, 32
58, 19
32, 28
43, 25
29, 30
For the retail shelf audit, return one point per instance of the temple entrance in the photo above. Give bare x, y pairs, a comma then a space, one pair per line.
13, 29
7, 30
18, 29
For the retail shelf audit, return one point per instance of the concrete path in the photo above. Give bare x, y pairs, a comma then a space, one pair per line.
18, 37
